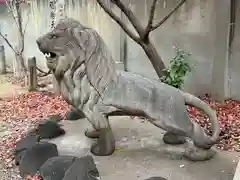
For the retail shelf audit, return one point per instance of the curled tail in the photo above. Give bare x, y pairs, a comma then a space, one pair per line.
198, 103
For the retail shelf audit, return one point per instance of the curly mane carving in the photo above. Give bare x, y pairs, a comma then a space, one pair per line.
99, 63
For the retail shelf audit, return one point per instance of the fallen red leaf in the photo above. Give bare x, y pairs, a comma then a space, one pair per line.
24, 112
228, 114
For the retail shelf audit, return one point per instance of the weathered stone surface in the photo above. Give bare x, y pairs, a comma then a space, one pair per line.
54, 168
89, 81
35, 156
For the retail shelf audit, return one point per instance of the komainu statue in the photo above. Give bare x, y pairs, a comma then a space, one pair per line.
89, 81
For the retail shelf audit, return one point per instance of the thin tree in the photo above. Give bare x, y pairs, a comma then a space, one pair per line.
14, 8
142, 37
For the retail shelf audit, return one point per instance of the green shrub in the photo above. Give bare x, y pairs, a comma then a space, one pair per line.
177, 70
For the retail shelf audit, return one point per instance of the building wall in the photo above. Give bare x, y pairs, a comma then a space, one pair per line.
200, 27
190, 28
234, 65
89, 14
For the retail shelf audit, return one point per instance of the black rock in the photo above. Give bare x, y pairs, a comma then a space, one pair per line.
83, 168
54, 168
34, 157
55, 118
156, 178
74, 115
49, 129
18, 156
23, 144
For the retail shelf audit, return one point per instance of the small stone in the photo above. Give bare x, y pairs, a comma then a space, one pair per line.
182, 165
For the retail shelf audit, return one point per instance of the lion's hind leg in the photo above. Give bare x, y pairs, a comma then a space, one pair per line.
174, 135
173, 138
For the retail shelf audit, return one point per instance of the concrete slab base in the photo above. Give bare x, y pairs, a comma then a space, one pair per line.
237, 172
141, 154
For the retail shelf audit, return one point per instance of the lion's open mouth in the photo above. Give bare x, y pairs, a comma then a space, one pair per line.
50, 55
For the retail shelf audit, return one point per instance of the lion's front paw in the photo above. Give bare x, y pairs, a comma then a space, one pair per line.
100, 150
92, 133
105, 145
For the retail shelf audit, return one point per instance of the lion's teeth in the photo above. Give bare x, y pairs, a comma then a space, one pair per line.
47, 54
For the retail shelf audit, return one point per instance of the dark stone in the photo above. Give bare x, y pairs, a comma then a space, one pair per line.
74, 115
33, 132
55, 118
83, 168
174, 139
34, 157
21, 145
18, 156
156, 178
49, 129
54, 168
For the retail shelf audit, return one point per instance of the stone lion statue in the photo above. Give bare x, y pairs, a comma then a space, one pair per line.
88, 80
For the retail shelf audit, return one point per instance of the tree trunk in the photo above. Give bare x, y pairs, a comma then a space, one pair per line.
16, 67
154, 57
19, 68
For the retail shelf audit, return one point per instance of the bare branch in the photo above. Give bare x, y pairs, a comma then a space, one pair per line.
10, 8
24, 31
130, 15
150, 20
20, 28
118, 20
7, 41
168, 15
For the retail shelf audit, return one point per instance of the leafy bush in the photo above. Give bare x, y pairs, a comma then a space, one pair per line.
179, 67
